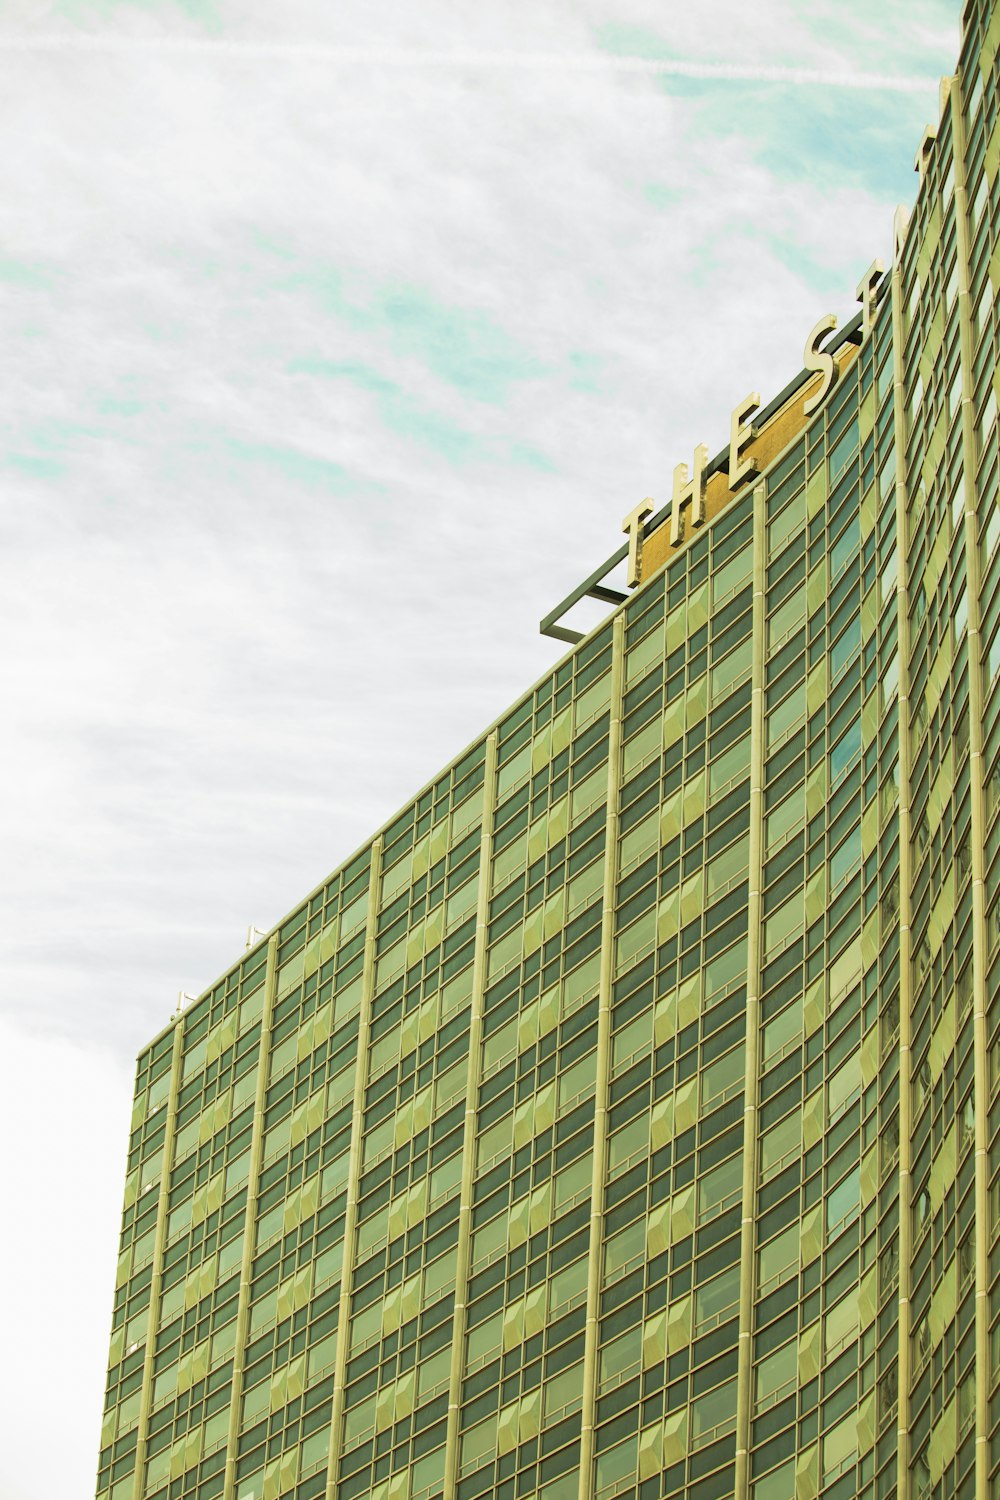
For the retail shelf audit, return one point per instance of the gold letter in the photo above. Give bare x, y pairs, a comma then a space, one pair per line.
692, 490
740, 433
632, 524
866, 296
816, 359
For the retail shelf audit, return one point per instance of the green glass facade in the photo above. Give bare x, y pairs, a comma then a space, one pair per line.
622, 1121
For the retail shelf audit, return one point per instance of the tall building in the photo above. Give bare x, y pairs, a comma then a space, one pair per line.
621, 1120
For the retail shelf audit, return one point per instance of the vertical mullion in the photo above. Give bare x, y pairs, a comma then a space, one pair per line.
159, 1239
246, 1261
976, 715
464, 1254
905, 1112
602, 1068
354, 1172
750, 1085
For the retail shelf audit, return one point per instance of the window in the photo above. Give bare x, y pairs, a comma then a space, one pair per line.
843, 1203
777, 1375
716, 1300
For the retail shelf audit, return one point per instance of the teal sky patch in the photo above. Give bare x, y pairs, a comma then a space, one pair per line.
586, 369
841, 136
301, 468
913, 26
23, 273
37, 465
527, 457
120, 406
398, 410
805, 267
635, 41
631, 41
659, 196
462, 346
125, 398
204, 13
465, 348
407, 417
46, 448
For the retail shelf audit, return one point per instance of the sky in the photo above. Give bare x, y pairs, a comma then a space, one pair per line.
337, 342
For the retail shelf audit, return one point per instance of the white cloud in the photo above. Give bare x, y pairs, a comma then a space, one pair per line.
263, 513
64, 1111
261, 517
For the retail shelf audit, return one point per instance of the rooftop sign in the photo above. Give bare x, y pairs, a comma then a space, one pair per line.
753, 444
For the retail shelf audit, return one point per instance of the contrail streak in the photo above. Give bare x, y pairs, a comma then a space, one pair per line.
417, 59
